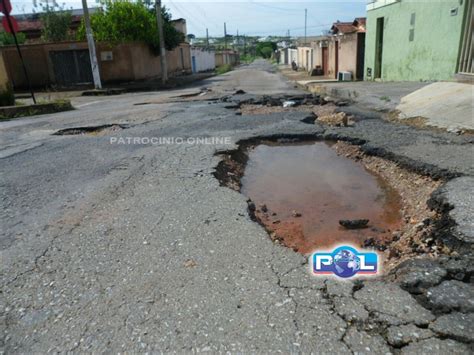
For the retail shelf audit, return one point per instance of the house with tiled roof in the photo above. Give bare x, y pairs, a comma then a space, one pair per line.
32, 26
347, 48
340, 51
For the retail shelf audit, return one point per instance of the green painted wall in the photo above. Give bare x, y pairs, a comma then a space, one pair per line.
432, 55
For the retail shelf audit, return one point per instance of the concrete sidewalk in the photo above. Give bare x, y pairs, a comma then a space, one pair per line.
376, 96
136, 86
445, 105
302, 78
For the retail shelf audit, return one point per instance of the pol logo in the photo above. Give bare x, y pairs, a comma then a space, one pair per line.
344, 261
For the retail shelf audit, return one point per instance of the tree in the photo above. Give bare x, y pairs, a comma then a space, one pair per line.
7, 39
266, 52
56, 23
125, 21
265, 49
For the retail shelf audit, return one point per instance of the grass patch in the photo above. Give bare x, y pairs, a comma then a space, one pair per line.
385, 98
247, 58
223, 69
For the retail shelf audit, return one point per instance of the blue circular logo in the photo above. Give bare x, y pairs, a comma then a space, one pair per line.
346, 262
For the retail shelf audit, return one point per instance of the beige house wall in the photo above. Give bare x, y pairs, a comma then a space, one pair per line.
228, 57
305, 58
128, 62
332, 58
317, 54
348, 53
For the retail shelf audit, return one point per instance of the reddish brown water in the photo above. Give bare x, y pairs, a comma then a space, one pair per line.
312, 180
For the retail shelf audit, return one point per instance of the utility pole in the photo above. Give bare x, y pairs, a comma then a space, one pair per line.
207, 38
305, 24
225, 36
91, 45
159, 21
238, 43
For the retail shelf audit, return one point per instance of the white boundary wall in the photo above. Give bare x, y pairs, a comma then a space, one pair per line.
204, 60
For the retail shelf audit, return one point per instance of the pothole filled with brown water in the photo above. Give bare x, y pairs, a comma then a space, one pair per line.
301, 191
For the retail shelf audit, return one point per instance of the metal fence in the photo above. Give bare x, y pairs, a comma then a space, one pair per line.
465, 56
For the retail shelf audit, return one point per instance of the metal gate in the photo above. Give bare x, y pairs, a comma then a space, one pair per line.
465, 56
71, 67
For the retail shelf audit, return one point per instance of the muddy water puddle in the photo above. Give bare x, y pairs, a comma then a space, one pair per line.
302, 190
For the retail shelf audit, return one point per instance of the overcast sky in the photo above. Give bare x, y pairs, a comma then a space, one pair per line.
247, 16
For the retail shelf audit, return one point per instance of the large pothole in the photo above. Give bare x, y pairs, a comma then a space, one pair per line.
91, 130
299, 191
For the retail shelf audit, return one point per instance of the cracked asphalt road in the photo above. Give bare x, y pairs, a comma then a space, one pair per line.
113, 247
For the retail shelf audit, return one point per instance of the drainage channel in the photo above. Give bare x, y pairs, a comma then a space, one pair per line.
316, 194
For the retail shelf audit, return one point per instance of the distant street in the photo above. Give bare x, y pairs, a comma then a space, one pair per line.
110, 247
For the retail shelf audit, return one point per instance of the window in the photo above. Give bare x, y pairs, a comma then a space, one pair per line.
411, 35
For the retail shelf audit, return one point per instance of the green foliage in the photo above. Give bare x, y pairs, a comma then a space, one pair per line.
266, 52
56, 22
126, 21
7, 98
265, 49
247, 58
223, 69
7, 39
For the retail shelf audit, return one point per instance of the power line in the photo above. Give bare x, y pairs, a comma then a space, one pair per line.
184, 14
198, 23
274, 7
289, 29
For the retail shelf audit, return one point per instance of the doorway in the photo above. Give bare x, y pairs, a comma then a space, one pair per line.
378, 48
360, 56
336, 59
325, 60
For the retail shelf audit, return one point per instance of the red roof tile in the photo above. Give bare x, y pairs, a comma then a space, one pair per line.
358, 25
343, 27
35, 25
